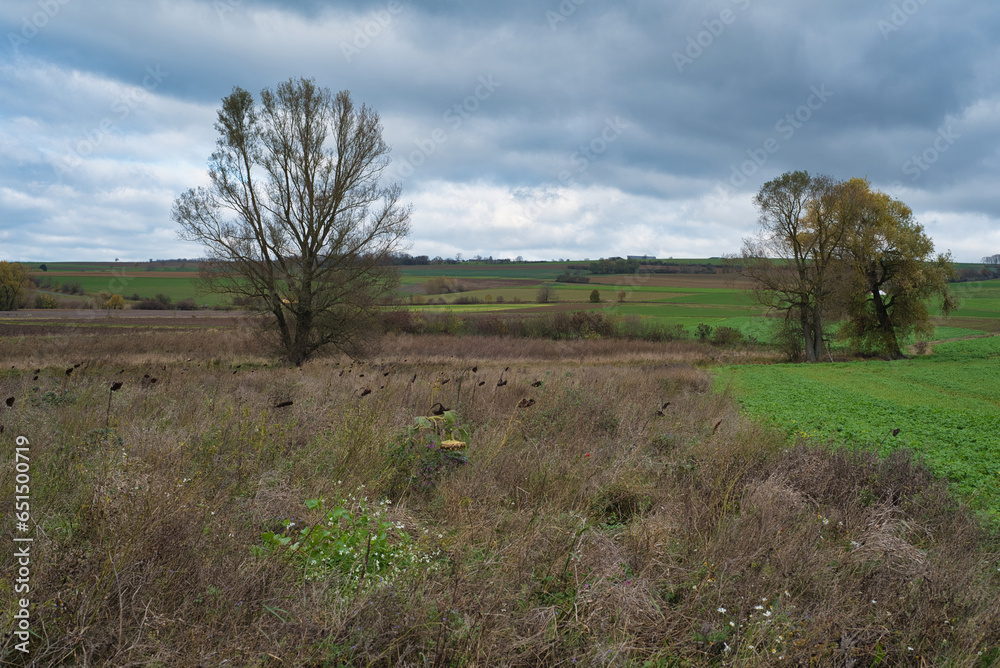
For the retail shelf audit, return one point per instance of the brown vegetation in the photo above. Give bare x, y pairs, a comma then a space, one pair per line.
627, 515
440, 285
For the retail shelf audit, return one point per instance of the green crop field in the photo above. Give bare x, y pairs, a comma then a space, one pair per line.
183, 286
946, 407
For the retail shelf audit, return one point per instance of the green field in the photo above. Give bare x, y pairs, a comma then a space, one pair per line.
946, 407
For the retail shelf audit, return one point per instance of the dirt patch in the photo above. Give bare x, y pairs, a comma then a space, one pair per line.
130, 317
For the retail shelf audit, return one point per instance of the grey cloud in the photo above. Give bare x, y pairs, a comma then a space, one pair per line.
565, 68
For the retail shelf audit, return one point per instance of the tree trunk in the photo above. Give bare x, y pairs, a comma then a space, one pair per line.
817, 335
301, 347
886, 328
807, 332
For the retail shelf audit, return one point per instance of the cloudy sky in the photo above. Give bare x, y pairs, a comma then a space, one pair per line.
543, 128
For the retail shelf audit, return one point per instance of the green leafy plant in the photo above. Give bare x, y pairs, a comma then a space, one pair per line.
352, 542
425, 451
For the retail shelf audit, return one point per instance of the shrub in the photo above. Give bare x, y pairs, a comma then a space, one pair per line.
545, 294
187, 305
351, 543
163, 299
71, 288
46, 301
572, 278
727, 336
114, 303
442, 285
595, 297
704, 331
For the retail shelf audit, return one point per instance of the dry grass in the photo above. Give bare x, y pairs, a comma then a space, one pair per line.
586, 529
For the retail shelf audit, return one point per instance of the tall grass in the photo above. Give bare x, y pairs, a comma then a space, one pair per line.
628, 516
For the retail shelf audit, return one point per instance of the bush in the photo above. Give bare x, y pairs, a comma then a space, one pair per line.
595, 297
350, 542
114, 303
443, 285
704, 331
163, 299
71, 288
572, 278
727, 336
545, 294
46, 301
187, 305
150, 305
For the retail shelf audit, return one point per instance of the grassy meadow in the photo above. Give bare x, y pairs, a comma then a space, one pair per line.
608, 508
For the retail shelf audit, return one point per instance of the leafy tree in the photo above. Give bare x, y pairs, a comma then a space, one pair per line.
893, 273
296, 220
14, 283
792, 260
829, 250
114, 303
595, 297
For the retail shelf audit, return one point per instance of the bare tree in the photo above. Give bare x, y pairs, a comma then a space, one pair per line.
792, 260
296, 220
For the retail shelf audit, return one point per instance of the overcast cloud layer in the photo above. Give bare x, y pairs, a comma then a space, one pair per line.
554, 129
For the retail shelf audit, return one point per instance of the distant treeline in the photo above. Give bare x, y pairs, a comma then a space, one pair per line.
560, 325
405, 259
617, 265
984, 273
